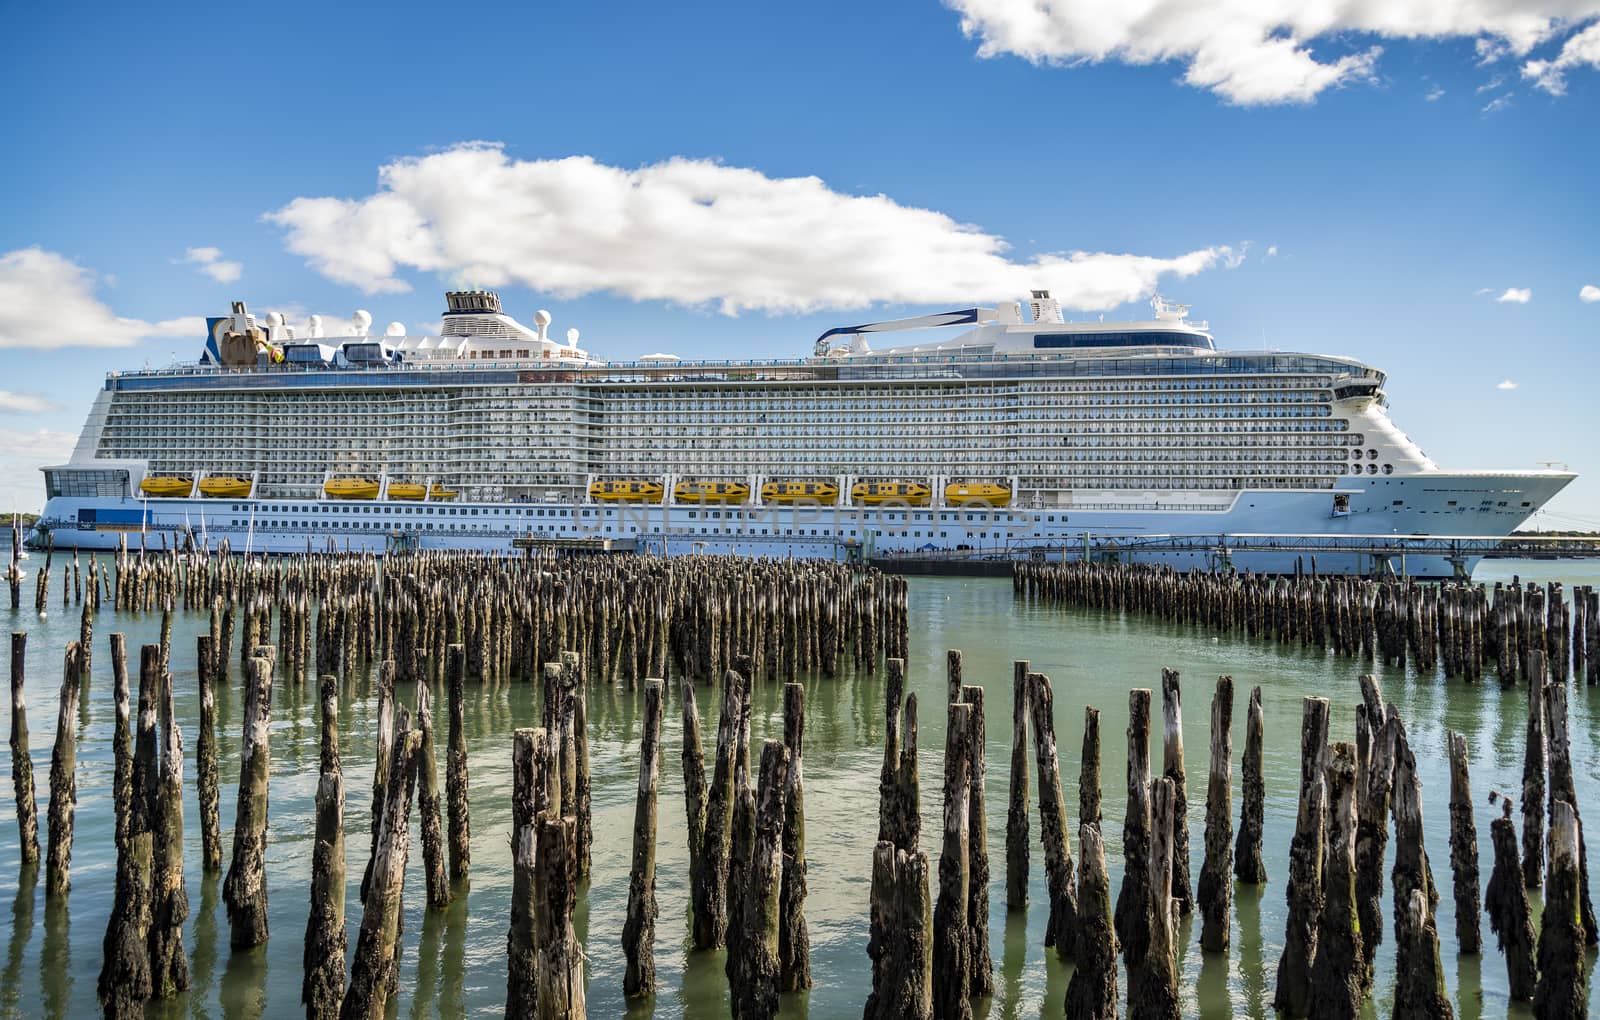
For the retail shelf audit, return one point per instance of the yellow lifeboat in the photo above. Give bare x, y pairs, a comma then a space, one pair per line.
225, 487
627, 491
167, 485
982, 494
407, 490
905, 493
711, 492
351, 488
437, 491
821, 493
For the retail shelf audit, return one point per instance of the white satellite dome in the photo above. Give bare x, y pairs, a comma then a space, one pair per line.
572, 336
275, 320
361, 320
395, 329
314, 326
541, 322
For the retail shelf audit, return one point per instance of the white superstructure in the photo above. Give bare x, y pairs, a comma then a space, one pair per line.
494, 431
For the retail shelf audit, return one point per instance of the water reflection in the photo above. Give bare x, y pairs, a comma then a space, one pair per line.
21, 934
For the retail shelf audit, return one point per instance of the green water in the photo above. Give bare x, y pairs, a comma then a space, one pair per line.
454, 962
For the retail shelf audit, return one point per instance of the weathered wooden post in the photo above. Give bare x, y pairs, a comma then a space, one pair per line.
1533, 776
1375, 747
1061, 929
1215, 888
900, 947
1562, 788
952, 984
1173, 768
694, 776
456, 770
1247, 863
21, 762
64, 778
1336, 984
1419, 991
639, 930
169, 907
794, 939
578, 707
322, 990
756, 995
244, 890
384, 756
433, 852
205, 753
1560, 991
559, 963
1463, 848
368, 993
1092, 992
1506, 901
1017, 802
124, 983
710, 883
1153, 982
532, 779
979, 961
1136, 904
1304, 892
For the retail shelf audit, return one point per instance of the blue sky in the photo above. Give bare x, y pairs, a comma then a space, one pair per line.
1369, 185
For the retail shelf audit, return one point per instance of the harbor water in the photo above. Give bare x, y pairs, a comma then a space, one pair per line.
453, 963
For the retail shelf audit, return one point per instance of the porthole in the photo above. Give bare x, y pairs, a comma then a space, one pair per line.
1388, 469
1372, 454
1372, 469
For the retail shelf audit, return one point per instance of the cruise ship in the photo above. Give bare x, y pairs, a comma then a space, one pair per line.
1005, 431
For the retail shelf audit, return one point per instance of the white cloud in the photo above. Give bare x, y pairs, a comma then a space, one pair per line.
47, 300
1484, 290
1272, 251
1505, 384
1251, 53
1589, 294
23, 403
688, 231
210, 262
22, 453
1434, 94
1581, 50
1498, 103
1516, 296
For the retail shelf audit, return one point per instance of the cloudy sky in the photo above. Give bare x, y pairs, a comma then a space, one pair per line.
1406, 181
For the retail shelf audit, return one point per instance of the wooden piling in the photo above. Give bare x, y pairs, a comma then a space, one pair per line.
1533, 777
980, 963
205, 752
63, 779
433, 852
1336, 984
1092, 991
1135, 907
1560, 992
383, 757
755, 997
578, 707
794, 938
367, 995
1017, 792
1089, 769
559, 961
1061, 928
1463, 848
1375, 747
1562, 788
1153, 981
710, 883
322, 989
693, 758
1419, 992
1304, 889
1215, 888
532, 779
1172, 767
21, 760
1247, 863
124, 983
169, 907
639, 930
900, 942
456, 786
952, 984
1506, 902
244, 890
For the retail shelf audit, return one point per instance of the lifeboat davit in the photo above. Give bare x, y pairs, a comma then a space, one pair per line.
981, 494
902, 493
351, 488
820, 493
167, 486
722, 493
225, 487
627, 491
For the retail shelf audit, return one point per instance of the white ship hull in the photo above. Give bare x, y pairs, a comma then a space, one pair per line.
1435, 504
